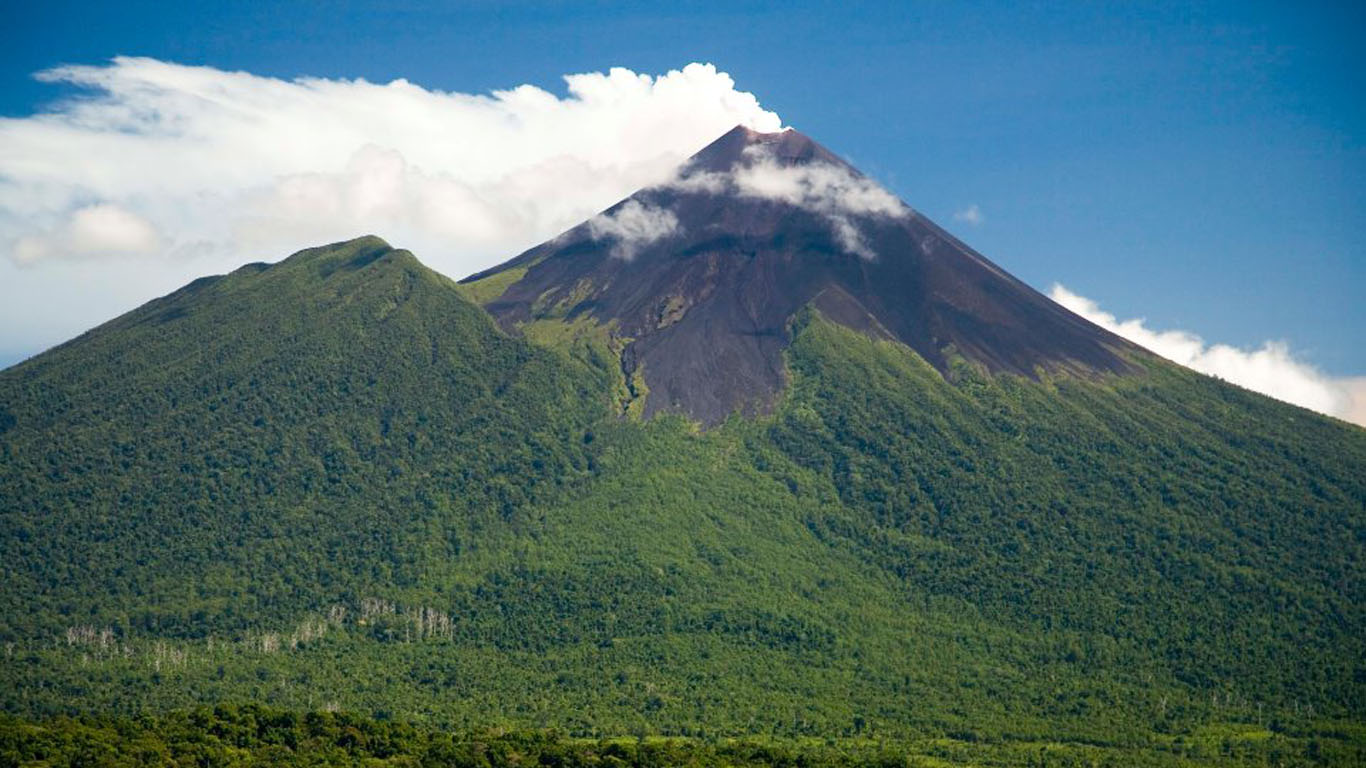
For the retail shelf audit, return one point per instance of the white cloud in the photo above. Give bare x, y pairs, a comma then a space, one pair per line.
972, 216
184, 171
1356, 393
633, 226
850, 237
90, 232
700, 182
821, 187
830, 190
1271, 369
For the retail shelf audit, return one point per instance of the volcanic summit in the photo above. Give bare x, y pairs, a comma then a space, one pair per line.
698, 277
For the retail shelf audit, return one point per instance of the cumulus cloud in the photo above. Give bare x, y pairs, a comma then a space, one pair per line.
1270, 369
181, 171
633, 226
972, 216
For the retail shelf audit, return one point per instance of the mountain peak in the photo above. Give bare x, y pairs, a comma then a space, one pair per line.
365, 247
742, 146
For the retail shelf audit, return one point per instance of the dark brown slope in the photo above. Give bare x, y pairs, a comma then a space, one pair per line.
706, 306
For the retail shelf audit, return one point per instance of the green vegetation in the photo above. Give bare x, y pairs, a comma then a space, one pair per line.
274, 440
253, 735
598, 349
483, 291
334, 483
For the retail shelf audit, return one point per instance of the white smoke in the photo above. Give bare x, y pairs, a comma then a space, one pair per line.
161, 172
1270, 369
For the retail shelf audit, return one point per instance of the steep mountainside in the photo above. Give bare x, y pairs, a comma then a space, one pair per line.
336, 481
189, 467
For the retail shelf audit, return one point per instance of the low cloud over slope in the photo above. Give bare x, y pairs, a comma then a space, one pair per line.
1270, 369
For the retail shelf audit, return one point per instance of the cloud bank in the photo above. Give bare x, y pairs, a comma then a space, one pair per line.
159, 173
1271, 369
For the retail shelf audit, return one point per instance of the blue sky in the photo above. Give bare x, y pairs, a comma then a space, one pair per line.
1202, 166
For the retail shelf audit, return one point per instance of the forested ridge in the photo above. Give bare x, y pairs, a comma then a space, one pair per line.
334, 483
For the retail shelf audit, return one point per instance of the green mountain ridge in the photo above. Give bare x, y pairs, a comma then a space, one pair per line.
336, 482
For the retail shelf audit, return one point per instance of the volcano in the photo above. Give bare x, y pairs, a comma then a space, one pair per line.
757, 451
699, 276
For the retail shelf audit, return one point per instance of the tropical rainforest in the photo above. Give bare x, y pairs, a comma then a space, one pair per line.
327, 511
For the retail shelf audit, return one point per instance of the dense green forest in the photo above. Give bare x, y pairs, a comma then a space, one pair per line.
254, 735
334, 484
